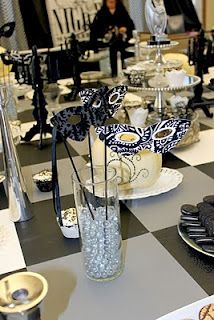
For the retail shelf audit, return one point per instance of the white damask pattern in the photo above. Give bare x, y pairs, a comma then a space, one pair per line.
10, 11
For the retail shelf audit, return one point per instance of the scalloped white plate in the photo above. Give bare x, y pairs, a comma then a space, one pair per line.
190, 311
169, 179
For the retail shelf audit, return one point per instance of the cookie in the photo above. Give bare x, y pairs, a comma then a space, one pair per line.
189, 209
210, 227
209, 199
191, 224
204, 206
206, 240
210, 249
196, 229
195, 235
189, 218
205, 211
201, 204
206, 218
207, 312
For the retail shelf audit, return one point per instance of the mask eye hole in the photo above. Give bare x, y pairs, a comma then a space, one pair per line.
75, 119
163, 134
97, 103
114, 97
127, 137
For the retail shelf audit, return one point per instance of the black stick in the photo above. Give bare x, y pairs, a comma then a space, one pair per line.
105, 164
78, 178
56, 191
91, 162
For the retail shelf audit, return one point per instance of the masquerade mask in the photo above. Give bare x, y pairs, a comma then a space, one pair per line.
159, 138
111, 100
99, 105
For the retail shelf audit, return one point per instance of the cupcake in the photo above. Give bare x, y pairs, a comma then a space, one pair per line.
43, 180
69, 225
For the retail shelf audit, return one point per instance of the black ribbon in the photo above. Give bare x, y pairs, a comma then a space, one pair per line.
55, 182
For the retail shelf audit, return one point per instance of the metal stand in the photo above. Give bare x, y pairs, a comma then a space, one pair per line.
159, 59
18, 201
160, 108
159, 104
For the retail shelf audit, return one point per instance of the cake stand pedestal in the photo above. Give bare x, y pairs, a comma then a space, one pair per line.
160, 107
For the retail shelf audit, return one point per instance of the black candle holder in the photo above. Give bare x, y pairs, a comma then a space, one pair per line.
40, 113
198, 58
27, 70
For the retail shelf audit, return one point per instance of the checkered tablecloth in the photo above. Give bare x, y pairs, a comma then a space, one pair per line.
161, 272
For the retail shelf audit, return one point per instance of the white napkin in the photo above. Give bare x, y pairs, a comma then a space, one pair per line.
175, 77
178, 101
137, 116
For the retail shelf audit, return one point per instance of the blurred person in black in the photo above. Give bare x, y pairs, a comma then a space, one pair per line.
112, 23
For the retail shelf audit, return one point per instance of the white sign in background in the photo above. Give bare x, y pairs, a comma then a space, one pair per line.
70, 16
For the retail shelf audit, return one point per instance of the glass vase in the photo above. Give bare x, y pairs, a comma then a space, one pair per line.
97, 204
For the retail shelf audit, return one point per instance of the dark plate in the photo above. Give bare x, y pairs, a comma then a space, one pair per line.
183, 234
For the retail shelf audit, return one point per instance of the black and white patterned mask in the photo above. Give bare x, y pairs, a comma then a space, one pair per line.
99, 105
110, 100
159, 138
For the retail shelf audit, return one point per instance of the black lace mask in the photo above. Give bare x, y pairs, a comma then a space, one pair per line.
98, 106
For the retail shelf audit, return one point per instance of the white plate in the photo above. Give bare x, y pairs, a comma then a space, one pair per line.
147, 66
189, 312
173, 63
91, 75
2, 178
144, 44
70, 82
168, 180
158, 82
132, 41
63, 91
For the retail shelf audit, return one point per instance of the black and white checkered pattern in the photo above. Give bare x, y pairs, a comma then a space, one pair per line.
161, 272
